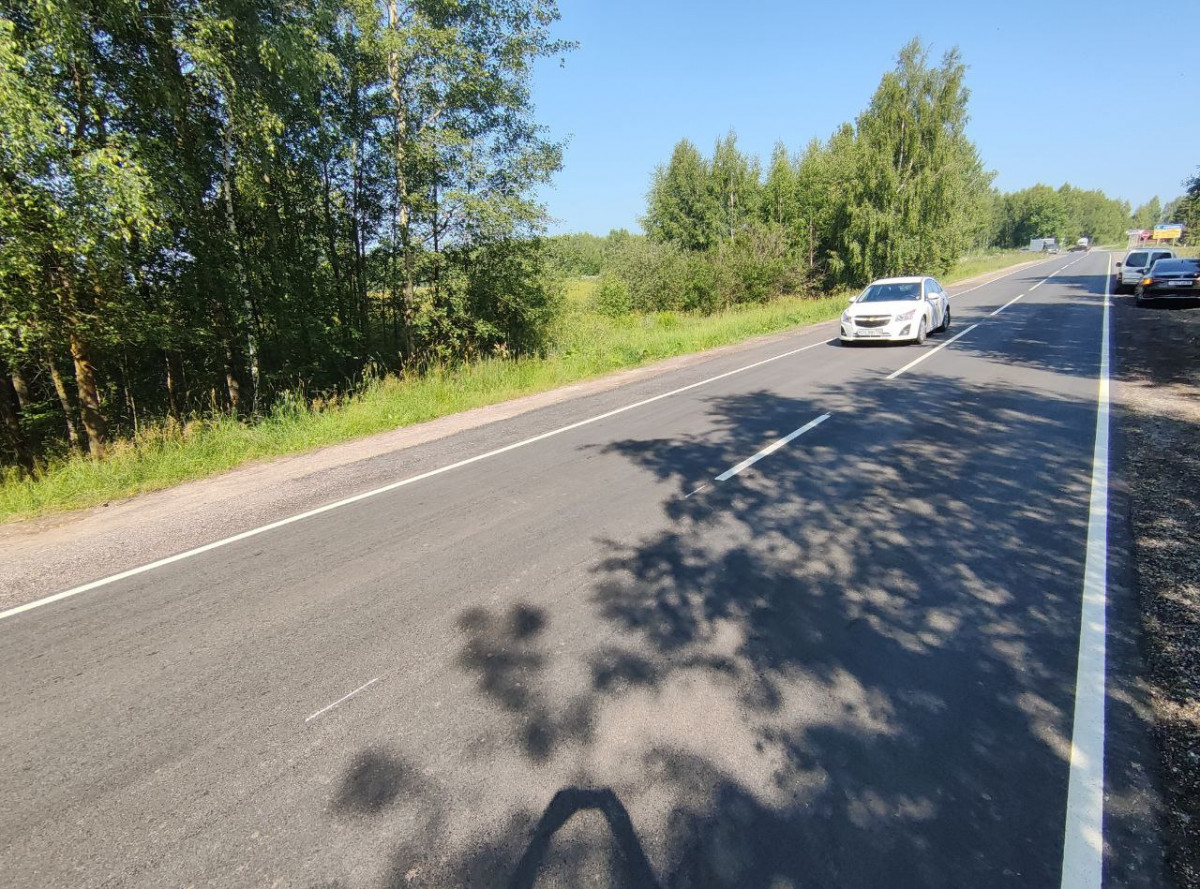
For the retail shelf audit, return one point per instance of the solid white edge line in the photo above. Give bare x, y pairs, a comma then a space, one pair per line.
930, 353
1083, 839
771, 449
225, 541
343, 700
1006, 305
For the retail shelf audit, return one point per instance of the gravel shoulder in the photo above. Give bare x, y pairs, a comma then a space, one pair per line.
1158, 388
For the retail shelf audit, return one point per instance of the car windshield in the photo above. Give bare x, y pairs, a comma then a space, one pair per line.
893, 292
1177, 265
1137, 260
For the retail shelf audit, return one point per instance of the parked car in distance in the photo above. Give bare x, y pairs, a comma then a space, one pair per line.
1137, 264
897, 310
1169, 279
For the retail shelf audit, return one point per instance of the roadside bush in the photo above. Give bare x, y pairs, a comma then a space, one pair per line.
756, 265
611, 297
702, 290
656, 275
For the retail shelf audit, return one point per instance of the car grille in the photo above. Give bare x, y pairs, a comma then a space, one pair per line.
872, 320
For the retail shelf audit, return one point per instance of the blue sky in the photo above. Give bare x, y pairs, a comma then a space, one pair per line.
1060, 92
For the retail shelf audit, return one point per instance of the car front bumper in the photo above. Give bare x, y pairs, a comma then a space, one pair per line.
892, 332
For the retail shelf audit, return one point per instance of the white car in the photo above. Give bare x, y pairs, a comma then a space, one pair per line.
897, 310
1137, 264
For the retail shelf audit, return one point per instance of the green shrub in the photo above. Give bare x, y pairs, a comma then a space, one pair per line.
611, 297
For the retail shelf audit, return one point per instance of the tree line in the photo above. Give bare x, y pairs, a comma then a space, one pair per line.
206, 204
900, 189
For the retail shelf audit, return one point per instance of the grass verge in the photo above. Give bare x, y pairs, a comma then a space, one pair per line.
586, 345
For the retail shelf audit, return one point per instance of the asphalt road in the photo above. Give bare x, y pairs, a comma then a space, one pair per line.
584, 661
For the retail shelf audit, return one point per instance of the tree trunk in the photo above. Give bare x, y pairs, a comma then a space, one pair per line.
64, 399
89, 396
172, 398
403, 210
360, 273
228, 359
10, 422
240, 270
21, 388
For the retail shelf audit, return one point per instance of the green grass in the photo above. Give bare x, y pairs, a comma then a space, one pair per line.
585, 345
982, 263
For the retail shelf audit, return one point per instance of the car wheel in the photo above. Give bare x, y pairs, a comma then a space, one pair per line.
945, 321
1137, 297
920, 333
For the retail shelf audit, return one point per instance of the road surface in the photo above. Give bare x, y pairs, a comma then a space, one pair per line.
618, 651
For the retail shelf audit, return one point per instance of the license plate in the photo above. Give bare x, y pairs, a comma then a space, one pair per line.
870, 333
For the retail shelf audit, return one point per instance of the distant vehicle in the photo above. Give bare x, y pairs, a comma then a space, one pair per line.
1169, 279
1082, 245
1137, 263
897, 310
1044, 245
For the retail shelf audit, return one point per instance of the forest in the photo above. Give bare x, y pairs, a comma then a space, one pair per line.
212, 212
204, 206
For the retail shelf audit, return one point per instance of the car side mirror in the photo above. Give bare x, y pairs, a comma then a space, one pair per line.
1118, 265
853, 300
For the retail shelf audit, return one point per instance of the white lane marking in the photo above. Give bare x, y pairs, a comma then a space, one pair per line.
771, 449
1053, 273
1024, 268
933, 352
262, 529
343, 700
930, 353
1083, 842
698, 490
1006, 305
338, 504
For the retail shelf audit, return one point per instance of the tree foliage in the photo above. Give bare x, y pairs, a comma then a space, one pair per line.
916, 190
203, 205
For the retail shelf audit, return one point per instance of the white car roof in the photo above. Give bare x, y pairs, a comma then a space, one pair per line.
910, 279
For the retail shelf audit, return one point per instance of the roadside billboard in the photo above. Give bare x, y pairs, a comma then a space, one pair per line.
1168, 232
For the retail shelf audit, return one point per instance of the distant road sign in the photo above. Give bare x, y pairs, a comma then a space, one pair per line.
1134, 233
1168, 231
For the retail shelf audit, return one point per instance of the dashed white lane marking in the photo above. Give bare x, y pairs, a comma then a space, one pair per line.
343, 700
771, 449
933, 352
697, 491
1007, 304
1083, 840
1024, 268
930, 353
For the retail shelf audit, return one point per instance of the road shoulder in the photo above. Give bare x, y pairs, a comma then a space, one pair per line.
1158, 390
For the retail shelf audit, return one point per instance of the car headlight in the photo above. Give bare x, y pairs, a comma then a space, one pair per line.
845, 317
906, 316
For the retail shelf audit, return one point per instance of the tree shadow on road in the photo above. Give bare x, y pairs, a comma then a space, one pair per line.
852, 664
